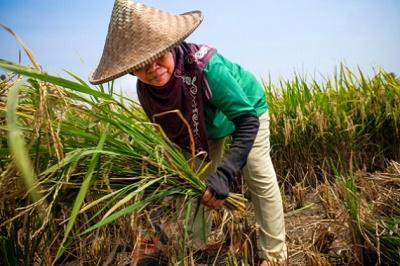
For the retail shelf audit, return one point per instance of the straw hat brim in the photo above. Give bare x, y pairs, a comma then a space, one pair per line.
130, 46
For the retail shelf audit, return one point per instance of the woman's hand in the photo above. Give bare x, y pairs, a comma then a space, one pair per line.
218, 183
211, 201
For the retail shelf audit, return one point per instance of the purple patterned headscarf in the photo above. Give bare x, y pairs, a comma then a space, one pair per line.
185, 91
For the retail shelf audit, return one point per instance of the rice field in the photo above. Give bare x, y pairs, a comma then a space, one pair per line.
86, 179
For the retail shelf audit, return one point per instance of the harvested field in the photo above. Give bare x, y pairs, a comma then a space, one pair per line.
82, 172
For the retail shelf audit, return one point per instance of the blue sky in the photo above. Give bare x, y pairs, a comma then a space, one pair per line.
270, 38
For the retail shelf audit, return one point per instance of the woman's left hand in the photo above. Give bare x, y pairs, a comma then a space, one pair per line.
211, 201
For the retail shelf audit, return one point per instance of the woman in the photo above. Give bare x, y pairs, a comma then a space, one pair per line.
217, 97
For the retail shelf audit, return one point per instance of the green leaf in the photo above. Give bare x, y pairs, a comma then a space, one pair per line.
81, 194
132, 208
130, 196
34, 73
25, 47
17, 143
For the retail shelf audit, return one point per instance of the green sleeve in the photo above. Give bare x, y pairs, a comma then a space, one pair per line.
227, 94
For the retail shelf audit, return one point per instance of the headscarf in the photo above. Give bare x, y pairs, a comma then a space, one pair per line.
186, 91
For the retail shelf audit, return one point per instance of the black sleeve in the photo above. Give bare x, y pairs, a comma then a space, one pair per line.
235, 159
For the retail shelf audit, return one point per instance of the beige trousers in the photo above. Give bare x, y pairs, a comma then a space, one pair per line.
259, 175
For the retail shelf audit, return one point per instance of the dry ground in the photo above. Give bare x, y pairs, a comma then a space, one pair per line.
317, 232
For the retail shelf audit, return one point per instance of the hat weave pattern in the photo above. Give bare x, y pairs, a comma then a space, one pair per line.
139, 34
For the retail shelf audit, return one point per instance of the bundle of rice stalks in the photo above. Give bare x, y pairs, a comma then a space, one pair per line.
90, 149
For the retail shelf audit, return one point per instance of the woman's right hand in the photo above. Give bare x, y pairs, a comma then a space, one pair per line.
211, 201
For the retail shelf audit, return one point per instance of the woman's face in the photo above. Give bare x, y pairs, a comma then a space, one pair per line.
157, 73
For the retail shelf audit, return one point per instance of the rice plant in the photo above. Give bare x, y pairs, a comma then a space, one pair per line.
349, 122
91, 148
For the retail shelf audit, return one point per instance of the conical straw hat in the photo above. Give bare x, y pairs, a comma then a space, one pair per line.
137, 35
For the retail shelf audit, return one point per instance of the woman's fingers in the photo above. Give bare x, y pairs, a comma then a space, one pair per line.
217, 204
207, 196
210, 201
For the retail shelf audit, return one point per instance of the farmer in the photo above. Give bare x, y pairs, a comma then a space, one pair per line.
217, 97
